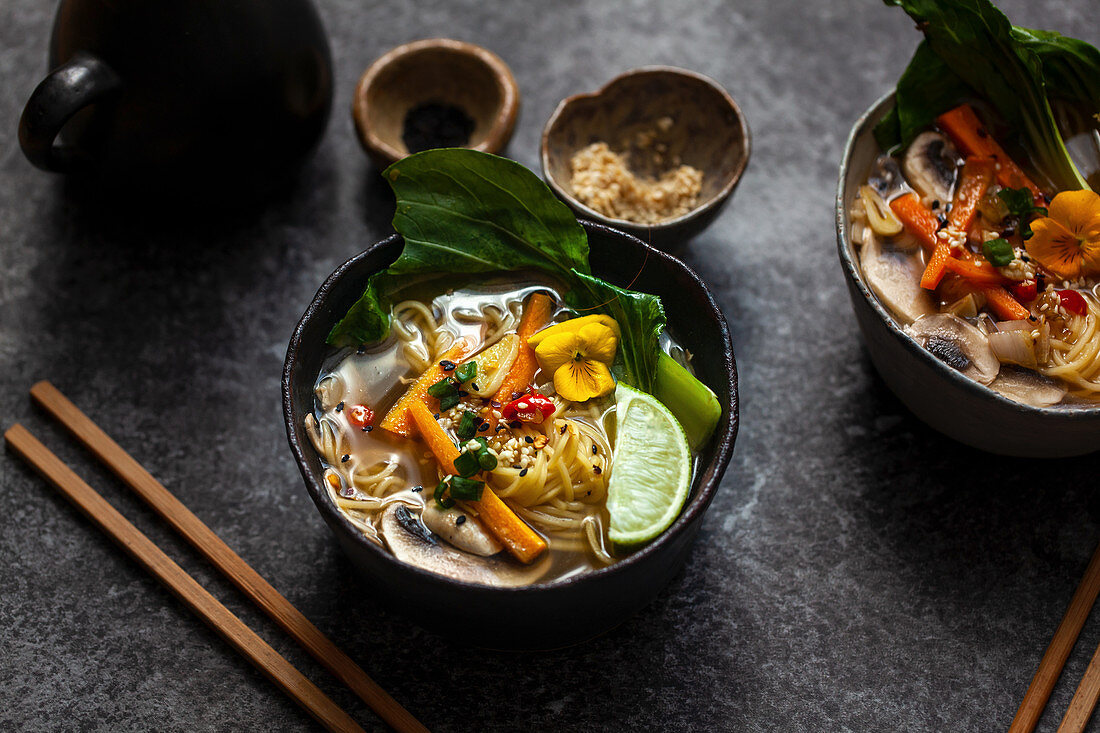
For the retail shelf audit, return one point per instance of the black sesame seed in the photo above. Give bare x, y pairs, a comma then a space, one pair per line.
529, 439
523, 472
494, 403
461, 520
474, 387
361, 350
417, 489
448, 366
463, 393
501, 427
515, 465
942, 220
436, 415
483, 427
345, 458
597, 470
1032, 318
368, 428
562, 430
935, 205
340, 407
595, 449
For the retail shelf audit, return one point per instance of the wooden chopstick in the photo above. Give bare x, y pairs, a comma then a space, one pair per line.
240, 573
1084, 699
182, 585
1035, 699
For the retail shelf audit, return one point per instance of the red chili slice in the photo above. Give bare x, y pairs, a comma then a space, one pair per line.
360, 416
532, 407
1073, 301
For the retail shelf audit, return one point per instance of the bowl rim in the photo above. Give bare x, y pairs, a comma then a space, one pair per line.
855, 275
709, 476
715, 201
504, 120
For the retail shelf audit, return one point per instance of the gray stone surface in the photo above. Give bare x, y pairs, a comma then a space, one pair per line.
856, 572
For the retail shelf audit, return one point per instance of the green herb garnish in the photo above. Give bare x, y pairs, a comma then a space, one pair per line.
467, 425
467, 464
444, 501
442, 388
466, 372
1021, 203
999, 252
448, 401
466, 489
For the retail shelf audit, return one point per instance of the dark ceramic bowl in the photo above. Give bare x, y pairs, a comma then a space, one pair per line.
434, 70
939, 395
709, 132
528, 617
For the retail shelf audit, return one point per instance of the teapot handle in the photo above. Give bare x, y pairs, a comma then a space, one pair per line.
66, 90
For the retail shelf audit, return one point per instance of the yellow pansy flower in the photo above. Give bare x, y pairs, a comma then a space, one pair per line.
579, 353
1067, 240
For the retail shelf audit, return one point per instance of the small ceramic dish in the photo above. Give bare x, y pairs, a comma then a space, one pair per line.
708, 132
528, 616
939, 395
434, 70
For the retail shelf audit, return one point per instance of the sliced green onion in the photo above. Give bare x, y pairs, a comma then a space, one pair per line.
447, 502
466, 372
486, 460
467, 464
999, 252
446, 402
466, 489
443, 387
467, 426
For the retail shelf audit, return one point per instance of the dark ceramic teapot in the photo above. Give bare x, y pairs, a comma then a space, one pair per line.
204, 99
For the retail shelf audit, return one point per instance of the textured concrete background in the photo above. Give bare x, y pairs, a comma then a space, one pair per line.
856, 571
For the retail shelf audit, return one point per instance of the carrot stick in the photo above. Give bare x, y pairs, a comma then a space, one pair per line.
536, 314
936, 267
977, 174
1004, 305
440, 444
522, 541
513, 533
977, 273
397, 419
968, 132
917, 218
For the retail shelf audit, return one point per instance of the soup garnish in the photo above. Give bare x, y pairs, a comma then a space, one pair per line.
467, 417
975, 228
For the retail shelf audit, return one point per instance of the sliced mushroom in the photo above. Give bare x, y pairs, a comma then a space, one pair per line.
894, 276
330, 391
886, 178
410, 542
1027, 387
460, 529
930, 165
957, 344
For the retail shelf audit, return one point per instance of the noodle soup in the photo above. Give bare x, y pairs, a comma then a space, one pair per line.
983, 267
545, 461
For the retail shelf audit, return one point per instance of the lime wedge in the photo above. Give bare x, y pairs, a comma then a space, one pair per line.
651, 471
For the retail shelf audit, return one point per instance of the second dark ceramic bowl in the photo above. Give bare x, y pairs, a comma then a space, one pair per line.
939, 395
528, 617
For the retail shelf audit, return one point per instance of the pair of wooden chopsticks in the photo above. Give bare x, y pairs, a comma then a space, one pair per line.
202, 538
1088, 691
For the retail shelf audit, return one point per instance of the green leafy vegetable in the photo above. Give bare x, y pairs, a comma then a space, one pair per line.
466, 372
461, 211
999, 252
467, 426
445, 502
971, 50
